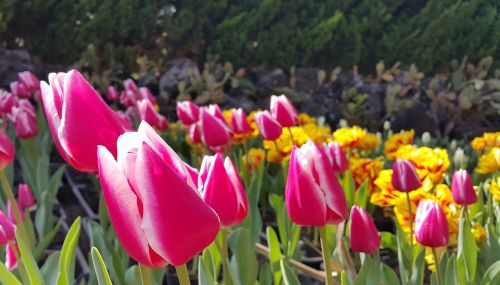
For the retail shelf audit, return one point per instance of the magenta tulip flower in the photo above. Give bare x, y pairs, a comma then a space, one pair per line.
431, 226
79, 119
112, 93
215, 111
10, 212
153, 201
404, 176
25, 197
363, 234
7, 151
145, 93
125, 120
129, 85
7, 226
269, 128
128, 98
3, 236
146, 112
194, 133
336, 156
7, 101
187, 112
23, 117
284, 111
214, 132
29, 80
313, 194
19, 89
239, 121
221, 188
462, 189
10, 257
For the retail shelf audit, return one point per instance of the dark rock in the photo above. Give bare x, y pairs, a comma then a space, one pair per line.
418, 118
177, 72
469, 130
13, 61
241, 102
306, 79
266, 80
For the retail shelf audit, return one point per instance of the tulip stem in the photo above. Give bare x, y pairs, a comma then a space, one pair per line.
226, 273
325, 248
145, 275
291, 135
13, 204
436, 264
183, 275
410, 219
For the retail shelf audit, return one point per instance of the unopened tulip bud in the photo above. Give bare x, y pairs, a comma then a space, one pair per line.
239, 122
187, 112
7, 151
462, 189
363, 234
25, 196
284, 111
404, 176
269, 128
336, 156
431, 226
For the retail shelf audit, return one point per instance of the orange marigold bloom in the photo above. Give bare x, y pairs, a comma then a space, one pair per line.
253, 158
429, 162
487, 140
365, 169
489, 162
394, 142
494, 187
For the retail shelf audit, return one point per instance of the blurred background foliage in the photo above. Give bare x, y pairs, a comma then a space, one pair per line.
279, 33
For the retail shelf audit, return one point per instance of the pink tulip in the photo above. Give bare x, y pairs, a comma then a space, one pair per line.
125, 120
147, 113
153, 203
462, 189
25, 196
128, 98
7, 226
239, 122
187, 112
431, 226
221, 187
24, 120
7, 100
145, 93
269, 128
313, 195
10, 212
215, 111
79, 119
29, 80
19, 90
214, 132
3, 236
336, 156
129, 85
194, 133
283, 111
404, 176
112, 93
363, 234
7, 151
10, 257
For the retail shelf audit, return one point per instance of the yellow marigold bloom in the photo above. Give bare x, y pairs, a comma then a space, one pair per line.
369, 141
487, 140
281, 148
318, 134
363, 169
253, 158
429, 257
396, 141
304, 119
494, 187
488, 163
429, 162
349, 137
479, 232
227, 113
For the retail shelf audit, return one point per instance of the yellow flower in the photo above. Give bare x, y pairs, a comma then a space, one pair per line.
488, 163
396, 141
429, 162
349, 137
318, 134
369, 141
304, 119
429, 257
494, 187
488, 140
253, 158
280, 148
479, 232
363, 169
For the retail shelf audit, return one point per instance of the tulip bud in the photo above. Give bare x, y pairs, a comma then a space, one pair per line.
10, 212
284, 111
239, 122
194, 133
129, 85
125, 120
79, 119
7, 151
336, 156
7, 226
459, 157
145, 93
7, 101
24, 120
112, 93
221, 188
431, 226
19, 90
3, 236
404, 176
215, 111
269, 128
25, 196
128, 98
313, 194
29, 80
147, 113
214, 131
10, 257
187, 112
153, 203
426, 138
363, 234
462, 189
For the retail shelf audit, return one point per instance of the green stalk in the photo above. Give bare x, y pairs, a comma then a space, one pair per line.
410, 219
145, 275
183, 275
291, 135
13, 203
325, 248
438, 274
226, 274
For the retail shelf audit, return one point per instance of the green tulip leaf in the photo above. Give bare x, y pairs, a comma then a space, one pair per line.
100, 268
67, 259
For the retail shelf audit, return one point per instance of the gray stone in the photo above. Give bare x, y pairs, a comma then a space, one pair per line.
13, 61
306, 79
267, 81
177, 72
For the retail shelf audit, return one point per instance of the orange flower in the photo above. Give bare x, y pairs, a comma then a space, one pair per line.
429, 162
365, 169
396, 141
